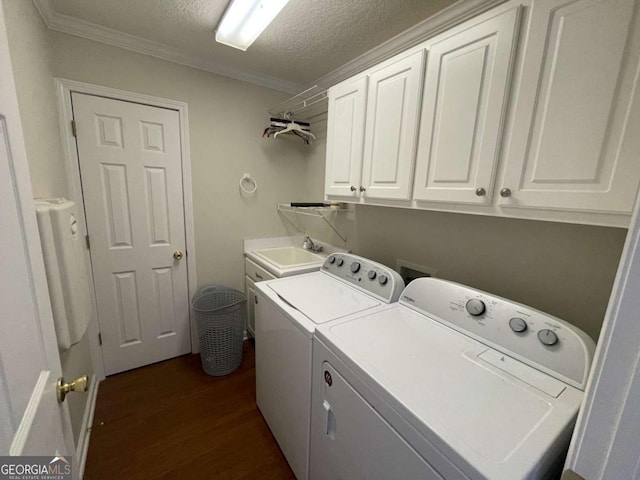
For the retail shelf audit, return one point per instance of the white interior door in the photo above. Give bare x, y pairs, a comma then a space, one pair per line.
130, 164
32, 422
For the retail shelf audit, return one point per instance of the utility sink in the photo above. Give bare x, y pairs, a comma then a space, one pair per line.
288, 257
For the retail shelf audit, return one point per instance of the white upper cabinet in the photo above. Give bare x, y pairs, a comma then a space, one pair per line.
528, 110
393, 106
574, 141
345, 135
464, 99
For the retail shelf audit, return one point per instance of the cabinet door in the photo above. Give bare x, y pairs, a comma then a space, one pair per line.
345, 135
465, 93
250, 290
574, 141
393, 107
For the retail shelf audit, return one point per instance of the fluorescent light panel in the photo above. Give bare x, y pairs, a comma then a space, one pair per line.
245, 20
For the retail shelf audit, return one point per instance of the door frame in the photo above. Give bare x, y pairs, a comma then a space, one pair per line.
610, 402
64, 88
15, 437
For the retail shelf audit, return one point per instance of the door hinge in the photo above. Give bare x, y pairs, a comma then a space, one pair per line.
100, 338
74, 132
86, 238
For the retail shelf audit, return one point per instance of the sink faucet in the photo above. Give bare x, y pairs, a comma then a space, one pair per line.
308, 244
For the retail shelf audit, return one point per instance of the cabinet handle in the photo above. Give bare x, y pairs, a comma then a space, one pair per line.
481, 192
353, 189
362, 189
259, 276
505, 192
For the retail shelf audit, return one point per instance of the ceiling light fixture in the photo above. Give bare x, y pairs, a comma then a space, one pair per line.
245, 20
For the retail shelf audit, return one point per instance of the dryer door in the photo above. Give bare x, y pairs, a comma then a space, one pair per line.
351, 440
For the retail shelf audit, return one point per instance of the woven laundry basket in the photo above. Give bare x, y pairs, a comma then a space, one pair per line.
220, 314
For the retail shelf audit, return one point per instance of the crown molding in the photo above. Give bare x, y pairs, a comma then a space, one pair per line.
435, 24
109, 36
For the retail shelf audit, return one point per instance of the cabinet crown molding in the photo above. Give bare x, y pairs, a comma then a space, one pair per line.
451, 16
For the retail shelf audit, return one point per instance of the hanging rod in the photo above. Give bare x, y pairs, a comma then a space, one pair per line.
307, 104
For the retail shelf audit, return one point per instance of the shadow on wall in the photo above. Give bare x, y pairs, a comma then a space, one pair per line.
562, 269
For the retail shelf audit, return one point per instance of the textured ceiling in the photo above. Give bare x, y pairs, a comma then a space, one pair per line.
307, 40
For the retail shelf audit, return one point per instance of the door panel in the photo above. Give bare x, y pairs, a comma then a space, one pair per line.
345, 133
465, 93
354, 441
572, 145
130, 163
393, 104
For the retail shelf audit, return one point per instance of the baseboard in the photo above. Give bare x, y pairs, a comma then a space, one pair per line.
87, 421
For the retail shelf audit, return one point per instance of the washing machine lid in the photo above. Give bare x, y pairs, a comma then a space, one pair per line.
488, 413
321, 297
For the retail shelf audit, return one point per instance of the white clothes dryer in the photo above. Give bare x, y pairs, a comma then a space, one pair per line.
448, 383
287, 312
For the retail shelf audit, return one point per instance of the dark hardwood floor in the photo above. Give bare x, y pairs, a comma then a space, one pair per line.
170, 420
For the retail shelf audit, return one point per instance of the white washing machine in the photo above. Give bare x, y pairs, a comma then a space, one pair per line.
287, 313
449, 383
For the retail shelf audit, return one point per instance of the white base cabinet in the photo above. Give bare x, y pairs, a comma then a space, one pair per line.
253, 273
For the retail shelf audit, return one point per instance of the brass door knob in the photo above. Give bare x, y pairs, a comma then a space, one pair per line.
177, 255
80, 384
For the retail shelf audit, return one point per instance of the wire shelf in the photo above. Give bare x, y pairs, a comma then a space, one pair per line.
306, 105
319, 212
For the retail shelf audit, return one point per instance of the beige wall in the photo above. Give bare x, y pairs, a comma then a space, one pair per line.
31, 56
226, 119
565, 270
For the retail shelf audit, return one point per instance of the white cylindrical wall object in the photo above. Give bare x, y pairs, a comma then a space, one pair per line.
63, 249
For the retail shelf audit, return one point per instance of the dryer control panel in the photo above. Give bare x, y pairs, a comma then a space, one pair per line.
531, 336
375, 278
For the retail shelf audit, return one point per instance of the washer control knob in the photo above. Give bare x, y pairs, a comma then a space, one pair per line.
339, 262
355, 266
372, 274
475, 307
517, 324
382, 279
547, 337
331, 259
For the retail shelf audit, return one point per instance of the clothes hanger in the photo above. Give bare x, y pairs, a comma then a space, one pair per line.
294, 127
